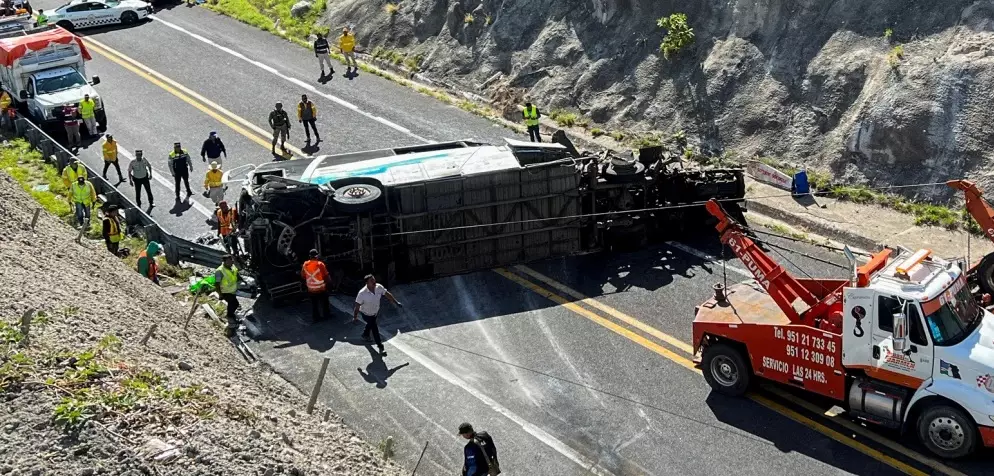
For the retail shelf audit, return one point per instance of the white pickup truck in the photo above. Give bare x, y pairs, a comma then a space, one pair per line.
45, 69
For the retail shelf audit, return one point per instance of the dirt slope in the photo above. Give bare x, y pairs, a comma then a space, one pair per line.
125, 406
808, 81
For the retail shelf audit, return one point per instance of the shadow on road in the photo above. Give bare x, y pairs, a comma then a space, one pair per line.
377, 371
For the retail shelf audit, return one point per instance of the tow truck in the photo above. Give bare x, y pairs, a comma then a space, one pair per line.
902, 343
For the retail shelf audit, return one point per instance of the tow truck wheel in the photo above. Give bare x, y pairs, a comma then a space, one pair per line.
947, 432
725, 370
985, 274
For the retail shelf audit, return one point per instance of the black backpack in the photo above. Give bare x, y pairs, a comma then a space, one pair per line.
493, 466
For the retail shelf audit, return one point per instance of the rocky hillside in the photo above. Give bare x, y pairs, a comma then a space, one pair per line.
82, 396
889, 91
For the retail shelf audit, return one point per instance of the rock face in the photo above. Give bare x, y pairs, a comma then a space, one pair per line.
807, 81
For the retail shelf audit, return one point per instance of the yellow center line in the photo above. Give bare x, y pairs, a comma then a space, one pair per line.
572, 305
875, 454
679, 344
212, 109
598, 319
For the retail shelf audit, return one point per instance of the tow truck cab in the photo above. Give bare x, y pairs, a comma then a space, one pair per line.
914, 349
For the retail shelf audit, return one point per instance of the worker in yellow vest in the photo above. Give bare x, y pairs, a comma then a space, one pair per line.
83, 197
110, 158
212, 184
226, 284
5, 101
531, 115
88, 113
112, 230
42, 19
346, 43
73, 171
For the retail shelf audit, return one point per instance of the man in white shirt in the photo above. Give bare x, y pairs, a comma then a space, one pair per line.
368, 303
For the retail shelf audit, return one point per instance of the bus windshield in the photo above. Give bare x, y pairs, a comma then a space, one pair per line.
953, 315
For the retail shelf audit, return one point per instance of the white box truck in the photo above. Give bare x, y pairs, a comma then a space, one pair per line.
44, 69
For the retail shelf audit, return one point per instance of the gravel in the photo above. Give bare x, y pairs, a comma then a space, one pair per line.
86, 295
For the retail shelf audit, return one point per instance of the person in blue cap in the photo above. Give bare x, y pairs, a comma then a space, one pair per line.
212, 149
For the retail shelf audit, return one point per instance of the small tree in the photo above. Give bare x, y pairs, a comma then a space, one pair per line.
678, 34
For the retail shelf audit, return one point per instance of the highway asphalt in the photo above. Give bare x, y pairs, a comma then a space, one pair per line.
575, 365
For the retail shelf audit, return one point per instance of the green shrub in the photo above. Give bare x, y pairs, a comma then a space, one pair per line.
896, 56
568, 118
468, 19
678, 34
596, 132
413, 62
391, 8
888, 33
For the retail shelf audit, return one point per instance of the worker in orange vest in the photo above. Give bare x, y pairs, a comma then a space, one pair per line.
315, 275
227, 221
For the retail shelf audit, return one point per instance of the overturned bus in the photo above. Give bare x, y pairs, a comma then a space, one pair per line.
415, 213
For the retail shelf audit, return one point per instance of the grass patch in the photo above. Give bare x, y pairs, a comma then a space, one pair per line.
925, 214
888, 33
597, 131
468, 19
568, 118
488, 20
28, 167
784, 231
413, 62
391, 8
274, 16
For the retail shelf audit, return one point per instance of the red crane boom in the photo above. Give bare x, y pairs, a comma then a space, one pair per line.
804, 301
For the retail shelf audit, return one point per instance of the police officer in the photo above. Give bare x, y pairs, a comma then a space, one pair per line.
180, 165
279, 121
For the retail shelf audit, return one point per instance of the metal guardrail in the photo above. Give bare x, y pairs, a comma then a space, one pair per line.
175, 248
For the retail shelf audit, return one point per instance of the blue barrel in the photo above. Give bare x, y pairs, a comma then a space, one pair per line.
800, 185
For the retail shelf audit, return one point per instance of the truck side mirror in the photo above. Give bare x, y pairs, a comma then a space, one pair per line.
96, 80
23, 95
900, 332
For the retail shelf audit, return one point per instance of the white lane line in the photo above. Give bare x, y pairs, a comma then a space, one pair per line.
706, 257
540, 434
293, 80
169, 184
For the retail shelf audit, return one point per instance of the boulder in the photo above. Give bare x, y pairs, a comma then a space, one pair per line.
300, 8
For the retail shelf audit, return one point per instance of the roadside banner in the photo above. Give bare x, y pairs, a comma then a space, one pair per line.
766, 174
